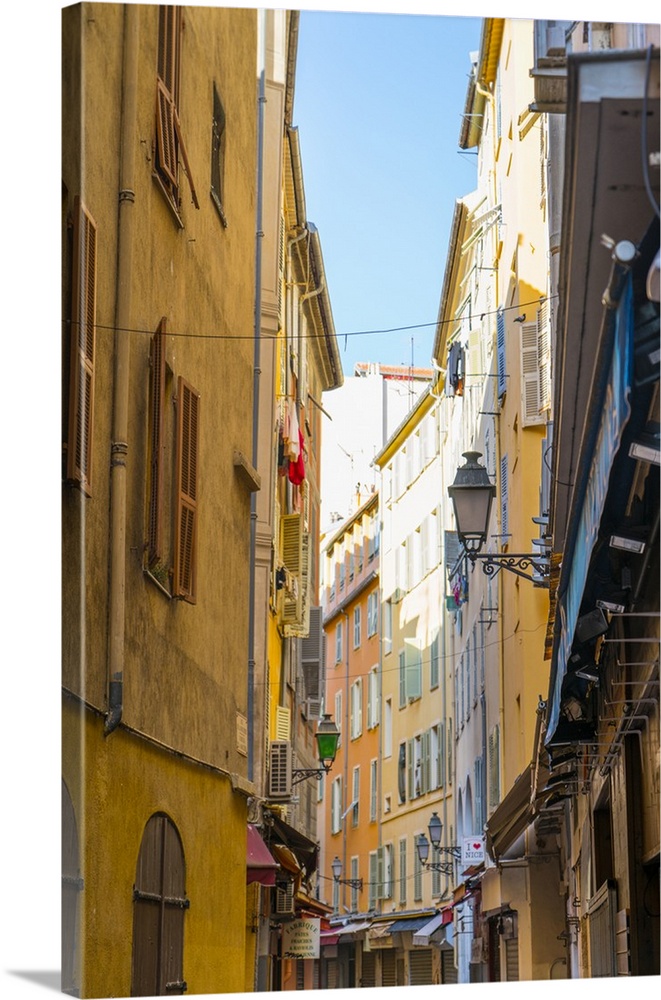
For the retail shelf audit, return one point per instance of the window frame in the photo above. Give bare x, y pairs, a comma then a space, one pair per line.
80, 434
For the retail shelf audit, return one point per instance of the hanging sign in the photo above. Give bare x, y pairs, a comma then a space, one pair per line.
300, 938
472, 851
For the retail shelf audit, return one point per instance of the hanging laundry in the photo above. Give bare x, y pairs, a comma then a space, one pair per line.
297, 467
293, 446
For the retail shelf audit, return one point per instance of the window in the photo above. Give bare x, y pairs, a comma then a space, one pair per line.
82, 350
176, 570
387, 728
185, 526
402, 871
356, 709
435, 661
356, 626
159, 907
385, 871
354, 889
417, 877
338, 642
355, 795
336, 805
169, 146
402, 679
416, 785
413, 669
373, 790
218, 154
372, 698
435, 873
338, 713
373, 880
401, 773
373, 613
387, 627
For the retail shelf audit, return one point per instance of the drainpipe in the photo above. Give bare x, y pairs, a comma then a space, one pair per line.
122, 356
346, 759
261, 101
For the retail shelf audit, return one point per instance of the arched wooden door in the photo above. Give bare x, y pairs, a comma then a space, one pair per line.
159, 905
72, 885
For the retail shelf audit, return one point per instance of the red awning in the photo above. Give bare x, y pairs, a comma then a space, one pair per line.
261, 866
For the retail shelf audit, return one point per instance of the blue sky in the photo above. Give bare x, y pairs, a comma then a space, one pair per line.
378, 105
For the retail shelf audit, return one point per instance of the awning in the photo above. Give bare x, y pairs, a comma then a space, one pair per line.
329, 937
261, 866
378, 935
286, 859
422, 937
350, 930
409, 924
512, 816
304, 850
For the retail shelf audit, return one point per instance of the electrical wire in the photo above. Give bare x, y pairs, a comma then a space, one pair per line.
314, 336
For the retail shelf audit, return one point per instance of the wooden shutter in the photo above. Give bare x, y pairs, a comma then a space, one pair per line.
544, 354
530, 376
185, 542
291, 551
500, 352
312, 657
83, 349
504, 500
413, 669
166, 132
493, 764
157, 443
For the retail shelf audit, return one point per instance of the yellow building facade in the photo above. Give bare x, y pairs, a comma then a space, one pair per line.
160, 158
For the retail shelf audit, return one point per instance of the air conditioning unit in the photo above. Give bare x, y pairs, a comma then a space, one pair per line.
280, 770
284, 900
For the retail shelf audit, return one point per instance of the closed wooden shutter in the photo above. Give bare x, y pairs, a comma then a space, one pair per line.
420, 967
512, 960
83, 349
530, 402
504, 499
157, 443
185, 552
368, 977
500, 353
159, 905
448, 968
388, 967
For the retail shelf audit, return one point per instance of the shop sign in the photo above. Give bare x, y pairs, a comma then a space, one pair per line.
472, 851
300, 938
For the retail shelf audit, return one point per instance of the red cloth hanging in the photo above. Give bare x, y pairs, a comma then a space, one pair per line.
297, 468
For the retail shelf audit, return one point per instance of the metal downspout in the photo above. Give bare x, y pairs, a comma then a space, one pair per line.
261, 101
346, 761
122, 356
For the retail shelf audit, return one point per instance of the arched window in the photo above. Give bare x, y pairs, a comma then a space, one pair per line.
159, 905
72, 884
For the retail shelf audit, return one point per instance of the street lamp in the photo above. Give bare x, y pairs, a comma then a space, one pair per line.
472, 494
327, 737
336, 868
435, 829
